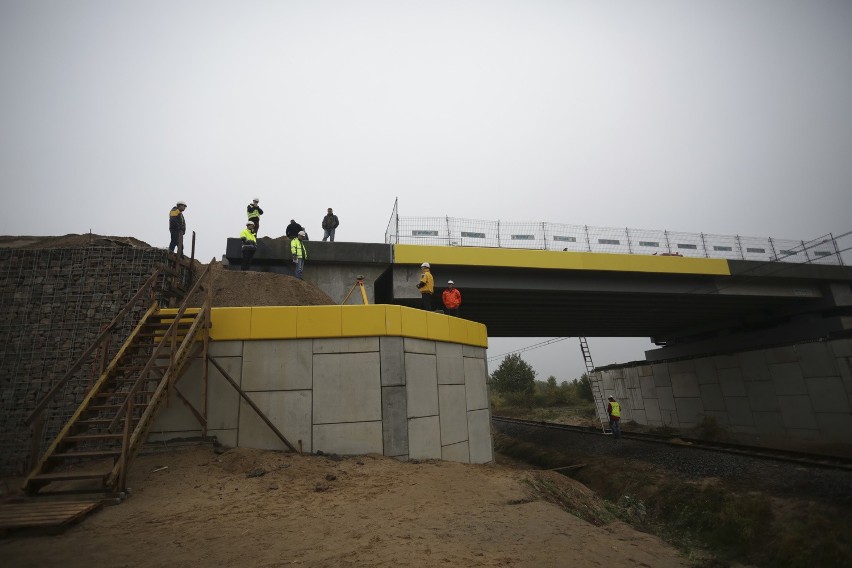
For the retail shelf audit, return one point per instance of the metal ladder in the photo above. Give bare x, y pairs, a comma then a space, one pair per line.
597, 393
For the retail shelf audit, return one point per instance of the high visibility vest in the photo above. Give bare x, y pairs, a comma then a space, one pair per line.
250, 238
297, 249
616, 409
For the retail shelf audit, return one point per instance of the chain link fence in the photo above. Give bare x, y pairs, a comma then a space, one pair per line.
454, 231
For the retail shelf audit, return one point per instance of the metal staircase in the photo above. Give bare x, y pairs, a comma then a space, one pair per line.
597, 393
111, 424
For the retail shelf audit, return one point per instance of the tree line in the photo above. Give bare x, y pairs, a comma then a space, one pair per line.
515, 383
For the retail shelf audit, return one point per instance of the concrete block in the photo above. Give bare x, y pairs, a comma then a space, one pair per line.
834, 426
360, 320
731, 381
797, 412
685, 384
726, 362
412, 345
721, 417
761, 396
424, 438
289, 411
353, 438
421, 377
786, 354
619, 389
661, 375
476, 384
459, 452
319, 321
223, 401
451, 399
166, 435
639, 416
705, 370
392, 361
413, 324
394, 421
828, 394
474, 351
753, 366
631, 377
841, 347
769, 424
437, 327
273, 322
225, 348
844, 364
230, 324
652, 412
393, 319
347, 388
805, 434
669, 418
649, 389
634, 399
666, 398
689, 411
479, 429
646, 370
227, 438
685, 366
712, 398
739, 411
816, 360
346, 345
277, 364
450, 363
787, 379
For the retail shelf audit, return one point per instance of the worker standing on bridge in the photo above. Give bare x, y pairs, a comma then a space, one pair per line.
249, 239
426, 286
452, 299
614, 411
329, 225
177, 227
254, 212
299, 252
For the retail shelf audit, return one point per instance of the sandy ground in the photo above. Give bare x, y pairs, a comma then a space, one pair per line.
204, 510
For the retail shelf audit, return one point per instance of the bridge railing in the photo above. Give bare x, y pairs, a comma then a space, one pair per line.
454, 231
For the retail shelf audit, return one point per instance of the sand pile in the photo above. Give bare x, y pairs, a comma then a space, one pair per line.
234, 288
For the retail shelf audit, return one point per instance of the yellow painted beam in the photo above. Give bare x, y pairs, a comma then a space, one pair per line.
300, 322
557, 260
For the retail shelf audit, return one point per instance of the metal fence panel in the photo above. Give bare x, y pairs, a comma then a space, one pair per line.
608, 239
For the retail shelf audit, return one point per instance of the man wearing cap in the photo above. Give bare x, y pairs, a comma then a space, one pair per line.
426, 286
249, 239
254, 212
452, 299
329, 225
299, 252
177, 227
614, 411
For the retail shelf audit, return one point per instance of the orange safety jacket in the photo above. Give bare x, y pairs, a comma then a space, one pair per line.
452, 298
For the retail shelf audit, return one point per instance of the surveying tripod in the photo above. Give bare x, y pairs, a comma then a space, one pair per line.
359, 283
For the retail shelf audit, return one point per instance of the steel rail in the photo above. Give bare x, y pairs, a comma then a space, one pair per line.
790, 456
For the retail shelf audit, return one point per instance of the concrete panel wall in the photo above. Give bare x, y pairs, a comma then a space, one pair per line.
796, 392
403, 397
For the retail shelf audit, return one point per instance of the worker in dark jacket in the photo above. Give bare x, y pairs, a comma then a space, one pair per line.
329, 224
177, 227
254, 212
614, 411
249, 239
293, 229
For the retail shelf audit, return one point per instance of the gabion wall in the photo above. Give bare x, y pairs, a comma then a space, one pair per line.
53, 303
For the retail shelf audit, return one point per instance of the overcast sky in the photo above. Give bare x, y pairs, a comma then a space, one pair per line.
727, 117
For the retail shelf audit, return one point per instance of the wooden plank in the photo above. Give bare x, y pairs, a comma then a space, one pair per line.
50, 514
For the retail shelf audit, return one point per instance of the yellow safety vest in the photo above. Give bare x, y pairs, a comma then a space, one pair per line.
616, 409
250, 237
297, 249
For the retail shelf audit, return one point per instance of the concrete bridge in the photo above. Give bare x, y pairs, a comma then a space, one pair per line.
688, 306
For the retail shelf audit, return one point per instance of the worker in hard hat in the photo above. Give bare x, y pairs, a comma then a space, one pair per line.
614, 411
299, 252
254, 212
177, 227
452, 299
426, 286
249, 239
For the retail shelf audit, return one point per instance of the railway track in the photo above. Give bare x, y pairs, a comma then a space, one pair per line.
770, 454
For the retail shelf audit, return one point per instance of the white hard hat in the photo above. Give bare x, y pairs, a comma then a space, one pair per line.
256, 199
303, 234
425, 265
251, 223
450, 282
182, 203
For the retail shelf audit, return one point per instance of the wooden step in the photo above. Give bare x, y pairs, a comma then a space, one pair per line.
88, 454
69, 476
91, 437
